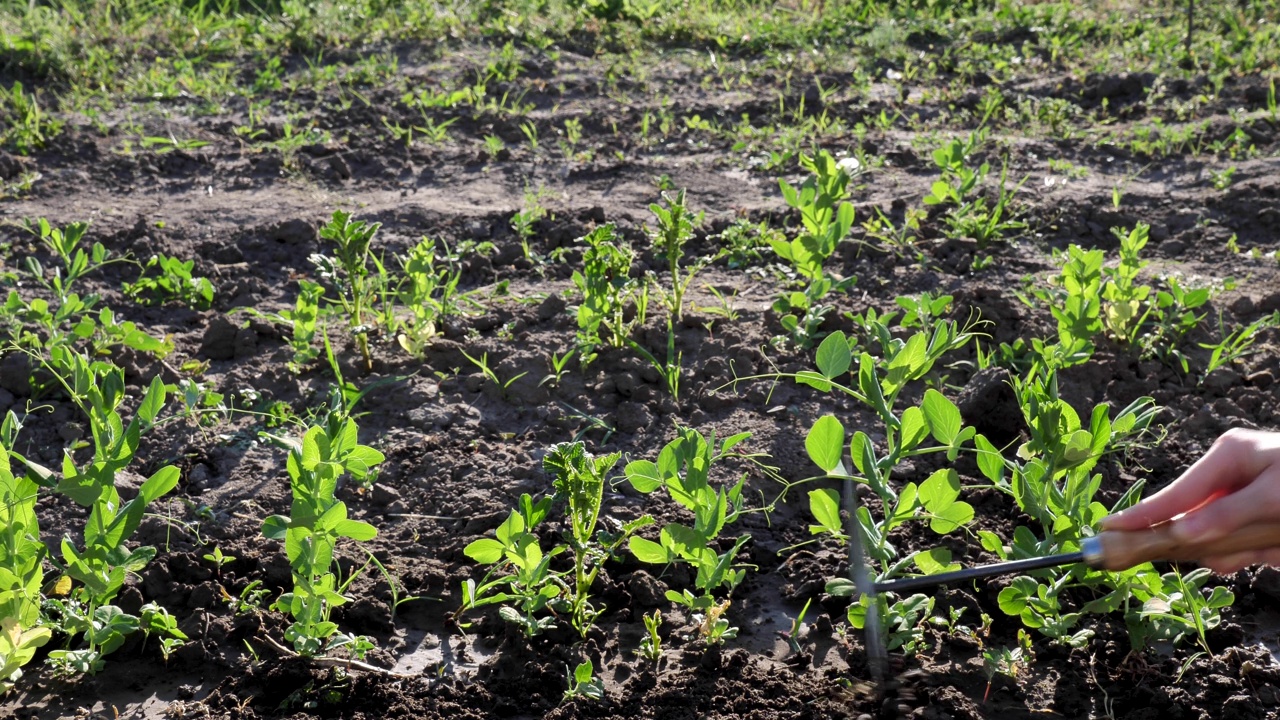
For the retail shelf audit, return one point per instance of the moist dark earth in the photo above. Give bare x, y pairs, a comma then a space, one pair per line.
460, 449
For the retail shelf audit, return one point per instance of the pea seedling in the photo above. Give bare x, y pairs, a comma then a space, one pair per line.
315, 524
531, 585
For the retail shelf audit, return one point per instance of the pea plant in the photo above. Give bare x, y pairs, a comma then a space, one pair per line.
1125, 297
608, 292
932, 426
429, 291
317, 521
21, 565
683, 469
530, 583
104, 562
1088, 299
74, 262
302, 321
168, 278
1052, 480
675, 228
969, 214
826, 218
579, 481
521, 580
1174, 608
348, 270
67, 319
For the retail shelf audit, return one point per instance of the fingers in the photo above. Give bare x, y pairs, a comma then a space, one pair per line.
1234, 460
1258, 501
1228, 564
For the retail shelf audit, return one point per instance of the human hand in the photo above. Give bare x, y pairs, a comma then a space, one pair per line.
1236, 483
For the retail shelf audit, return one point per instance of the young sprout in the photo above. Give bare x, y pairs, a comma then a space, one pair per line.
583, 683
559, 366
792, 636
218, 559
349, 270
1006, 661
651, 644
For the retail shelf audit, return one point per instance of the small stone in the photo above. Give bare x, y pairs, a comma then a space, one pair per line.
227, 254
1261, 380
626, 383
632, 417
10, 166
15, 374
1266, 582
335, 168
1173, 248
200, 476
202, 596
384, 494
1242, 305
219, 342
1222, 379
988, 403
246, 343
70, 432
292, 232
645, 590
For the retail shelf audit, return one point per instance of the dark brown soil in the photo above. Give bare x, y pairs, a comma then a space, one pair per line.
460, 450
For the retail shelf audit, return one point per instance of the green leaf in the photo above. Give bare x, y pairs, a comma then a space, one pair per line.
990, 461
1079, 447
311, 448
859, 448
813, 380
648, 551
905, 509
940, 490
485, 551
954, 516
685, 541
732, 441
841, 587
824, 503
937, 560
275, 527
834, 358
913, 430
679, 598
156, 486
1013, 599
356, 530
992, 544
153, 401
825, 443
643, 475
942, 415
